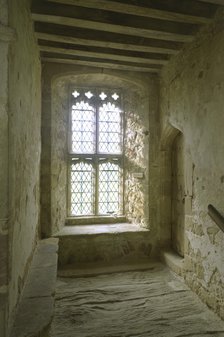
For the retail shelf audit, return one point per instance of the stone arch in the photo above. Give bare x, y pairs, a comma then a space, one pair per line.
55, 104
172, 189
96, 77
168, 135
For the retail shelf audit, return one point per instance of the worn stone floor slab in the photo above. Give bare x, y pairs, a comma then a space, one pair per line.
133, 304
102, 268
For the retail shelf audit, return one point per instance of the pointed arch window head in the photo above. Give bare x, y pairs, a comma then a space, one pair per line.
96, 152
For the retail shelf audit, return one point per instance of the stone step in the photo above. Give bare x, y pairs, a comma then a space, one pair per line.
104, 243
90, 269
173, 261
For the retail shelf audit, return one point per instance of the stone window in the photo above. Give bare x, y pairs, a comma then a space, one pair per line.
95, 152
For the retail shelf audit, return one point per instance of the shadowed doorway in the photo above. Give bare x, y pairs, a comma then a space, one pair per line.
177, 227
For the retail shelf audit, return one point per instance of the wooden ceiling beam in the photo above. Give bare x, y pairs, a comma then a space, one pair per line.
112, 40
99, 64
88, 24
106, 21
104, 56
104, 44
214, 2
137, 10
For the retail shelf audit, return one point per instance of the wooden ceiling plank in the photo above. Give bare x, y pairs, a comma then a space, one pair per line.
214, 2
147, 33
75, 52
100, 65
104, 44
103, 36
96, 16
137, 10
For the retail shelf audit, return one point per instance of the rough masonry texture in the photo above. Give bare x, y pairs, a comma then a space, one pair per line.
140, 103
173, 132
24, 146
5, 38
192, 102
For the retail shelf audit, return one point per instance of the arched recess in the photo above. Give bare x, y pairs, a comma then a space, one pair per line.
54, 126
173, 190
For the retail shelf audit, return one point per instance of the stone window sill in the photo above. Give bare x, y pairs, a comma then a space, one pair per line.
95, 220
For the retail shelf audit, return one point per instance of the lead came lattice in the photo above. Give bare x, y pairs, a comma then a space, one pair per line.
96, 142
109, 129
82, 189
109, 186
83, 128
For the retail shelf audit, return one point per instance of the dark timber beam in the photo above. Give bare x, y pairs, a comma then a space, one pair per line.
147, 33
95, 38
215, 2
162, 58
107, 65
75, 16
103, 44
136, 10
104, 56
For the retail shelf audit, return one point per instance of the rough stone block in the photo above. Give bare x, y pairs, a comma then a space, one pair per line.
122, 241
35, 309
3, 259
2, 322
188, 222
34, 315
188, 205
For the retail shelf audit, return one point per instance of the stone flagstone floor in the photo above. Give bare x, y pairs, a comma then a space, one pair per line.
143, 303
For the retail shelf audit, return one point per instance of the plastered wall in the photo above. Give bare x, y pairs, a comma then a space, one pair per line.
24, 146
192, 88
141, 111
5, 38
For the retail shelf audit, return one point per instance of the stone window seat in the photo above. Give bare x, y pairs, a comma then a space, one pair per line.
100, 228
95, 220
106, 243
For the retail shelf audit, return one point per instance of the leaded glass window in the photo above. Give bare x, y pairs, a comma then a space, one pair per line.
110, 140
82, 186
109, 186
95, 152
83, 128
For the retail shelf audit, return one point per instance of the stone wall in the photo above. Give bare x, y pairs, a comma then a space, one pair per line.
6, 36
141, 116
192, 87
24, 146
3, 181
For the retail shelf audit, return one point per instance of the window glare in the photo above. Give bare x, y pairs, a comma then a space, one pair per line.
96, 141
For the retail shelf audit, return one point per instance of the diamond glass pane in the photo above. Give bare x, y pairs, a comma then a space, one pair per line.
109, 188
82, 189
110, 134
83, 128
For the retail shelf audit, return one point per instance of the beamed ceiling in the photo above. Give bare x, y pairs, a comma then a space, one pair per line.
139, 35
